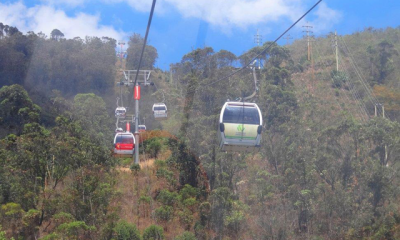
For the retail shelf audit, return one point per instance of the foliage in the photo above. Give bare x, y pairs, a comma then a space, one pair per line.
338, 79
153, 232
135, 168
134, 50
382, 62
3, 235
16, 109
167, 198
153, 147
126, 231
71, 65
320, 173
56, 35
74, 230
163, 214
186, 236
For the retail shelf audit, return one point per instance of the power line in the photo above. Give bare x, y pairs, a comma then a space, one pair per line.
265, 50
325, 64
363, 110
362, 79
364, 83
337, 101
360, 112
136, 88
357, 98
369, 91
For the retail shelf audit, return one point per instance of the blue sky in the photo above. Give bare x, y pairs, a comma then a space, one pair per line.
182, 25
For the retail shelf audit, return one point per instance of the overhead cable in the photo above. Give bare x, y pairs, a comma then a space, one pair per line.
145, 40
266, 49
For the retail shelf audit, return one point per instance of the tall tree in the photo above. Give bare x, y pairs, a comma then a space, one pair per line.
16, 109
56, 34
381, 58
150, 54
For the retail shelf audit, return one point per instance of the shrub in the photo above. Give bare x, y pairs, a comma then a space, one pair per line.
164, 213
153, 232
186, 236
126, 231
153, 147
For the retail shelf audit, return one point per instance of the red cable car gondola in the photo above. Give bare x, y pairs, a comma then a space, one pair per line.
124, 143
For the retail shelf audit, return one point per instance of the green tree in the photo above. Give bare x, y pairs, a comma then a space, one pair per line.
126, 231
225, 58
186, 236
153, 232
74, 230
56, 34
339, 79
381, 57
16, 109
134, 50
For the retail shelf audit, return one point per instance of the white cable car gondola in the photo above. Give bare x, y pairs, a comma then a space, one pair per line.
120, 112
240, 125
124, 143
160, 110
142, 128
119, 130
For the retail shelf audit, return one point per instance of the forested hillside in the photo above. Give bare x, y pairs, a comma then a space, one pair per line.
325, 169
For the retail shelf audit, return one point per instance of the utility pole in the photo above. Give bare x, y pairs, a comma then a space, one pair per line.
171, 78
136, 96
258, 41
288, 37
308, 31
385, 159
312, 57
336, 50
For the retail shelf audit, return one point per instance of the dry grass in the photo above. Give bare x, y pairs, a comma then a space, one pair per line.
130, 188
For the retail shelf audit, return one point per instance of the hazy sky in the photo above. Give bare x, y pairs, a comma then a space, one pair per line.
182, 25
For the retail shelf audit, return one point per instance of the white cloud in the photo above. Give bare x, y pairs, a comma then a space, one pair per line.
227, 14
13, 14
69, 3
223, 14
140, 5
326, 18
46, 18
239, 13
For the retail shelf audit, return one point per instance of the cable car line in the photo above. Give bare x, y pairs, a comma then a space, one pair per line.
240, 122
160, 111
265, 50
145, 40
255, 84
162, 91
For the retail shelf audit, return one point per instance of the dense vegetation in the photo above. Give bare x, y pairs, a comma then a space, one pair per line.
321, 173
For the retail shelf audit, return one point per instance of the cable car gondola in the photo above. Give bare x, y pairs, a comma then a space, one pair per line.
120, 112
124, 143
118, 130
160, 111
240, 125
142, 128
